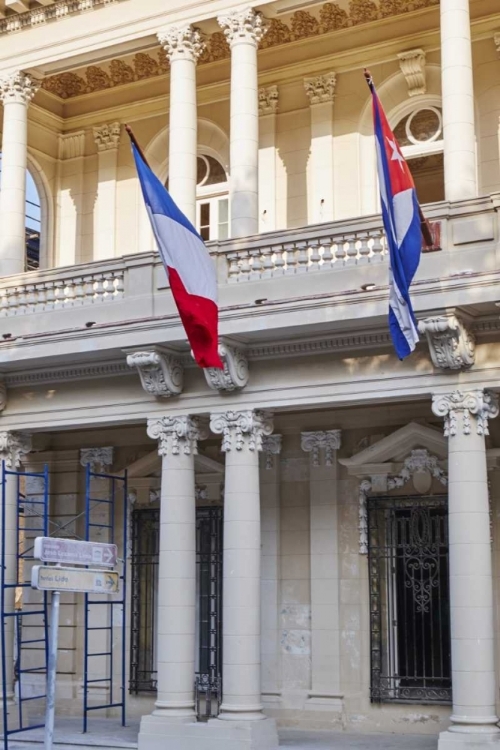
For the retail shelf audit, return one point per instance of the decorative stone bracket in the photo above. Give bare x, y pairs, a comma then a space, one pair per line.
412, 64
161, 373
235, 374
451, 344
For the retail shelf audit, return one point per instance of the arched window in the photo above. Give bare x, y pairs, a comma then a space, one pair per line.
212, 201
420, 135
32, 222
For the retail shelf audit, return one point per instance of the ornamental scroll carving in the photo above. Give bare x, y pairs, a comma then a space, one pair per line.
176, 435
412, 64
451, 344
161, 374
242, 428
480, 405
235, 374
315, 442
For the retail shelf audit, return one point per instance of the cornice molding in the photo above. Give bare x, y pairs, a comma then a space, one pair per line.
49, 12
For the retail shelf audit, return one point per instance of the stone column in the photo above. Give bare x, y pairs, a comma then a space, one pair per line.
177, 445
70, 198
321, 93
460, 168
242, 434
244, 29
466, 415
324, 694
16, 92
268, 108
13, 446
183, 45
107, 140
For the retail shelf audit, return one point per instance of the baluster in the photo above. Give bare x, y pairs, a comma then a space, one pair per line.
119, 285
326, 255
59, 294
340, 252
233, 269
50, 298
12, 300
22, 307
303, 257
108, 288
99, 287
69, 292
89, 290
4, 304
364, 249
30, 298
279, 261
78, 291
256, 267
315, 257
267, 263
244, 257
377, 246
352, 250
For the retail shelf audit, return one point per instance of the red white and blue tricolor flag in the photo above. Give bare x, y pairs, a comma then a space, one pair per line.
189, 267
401, 215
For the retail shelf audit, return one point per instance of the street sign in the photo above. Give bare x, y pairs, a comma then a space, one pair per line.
74, 552
48, 578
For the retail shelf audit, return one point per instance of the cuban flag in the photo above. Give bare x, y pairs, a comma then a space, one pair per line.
189, 267
401, 215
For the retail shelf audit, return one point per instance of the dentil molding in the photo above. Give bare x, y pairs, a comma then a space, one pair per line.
13, 447
451, 344
235, 374
242, 428
481, 405
321, 89
314, 442
177, 435
182, 42
412, 64
161, 373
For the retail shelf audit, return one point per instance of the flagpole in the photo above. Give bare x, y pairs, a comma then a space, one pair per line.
132, 137
425, 227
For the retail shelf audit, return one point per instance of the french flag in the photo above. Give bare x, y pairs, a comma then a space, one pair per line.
190, 270
401, 215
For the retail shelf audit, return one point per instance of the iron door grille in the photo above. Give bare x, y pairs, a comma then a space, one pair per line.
409, 600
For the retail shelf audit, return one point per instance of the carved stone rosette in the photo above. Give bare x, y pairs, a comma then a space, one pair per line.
107, 136
245, 25
240, 428
177, 435
412, 64
235, 374
320, 89
314, 442
18, 87
13, 447
161, 374
98, 458
268, 100
182, 42
452, 346
271, 446
483, 405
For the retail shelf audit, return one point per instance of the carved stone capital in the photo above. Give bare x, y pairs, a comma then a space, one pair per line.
182, 42
177, 435
315, 442
201, 493
320, 89
235, 374
480, 405
13, 447
98, 458
268, 100
72, 145
412, 64
161, 374
271, 446
245, 25
452, 346
242, 428
154, 496
107, 136
18, 87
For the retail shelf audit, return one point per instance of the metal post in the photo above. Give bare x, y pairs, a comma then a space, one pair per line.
51, 672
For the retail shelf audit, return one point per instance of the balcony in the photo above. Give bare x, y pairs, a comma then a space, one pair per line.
298, 282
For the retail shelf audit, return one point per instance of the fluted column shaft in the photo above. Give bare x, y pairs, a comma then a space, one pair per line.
16, 92
460, 170
177, 441
244, 29
471, 586
242, 440
183, 45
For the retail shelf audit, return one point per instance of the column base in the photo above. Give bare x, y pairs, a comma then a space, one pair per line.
469, 740
157, 734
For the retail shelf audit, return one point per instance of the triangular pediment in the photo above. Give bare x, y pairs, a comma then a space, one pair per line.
396, 447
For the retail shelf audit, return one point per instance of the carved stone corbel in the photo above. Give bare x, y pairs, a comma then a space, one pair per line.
161, 373
412, 64
451, 344
235, 374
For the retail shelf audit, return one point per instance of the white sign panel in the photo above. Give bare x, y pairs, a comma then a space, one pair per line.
48, 578
74, 552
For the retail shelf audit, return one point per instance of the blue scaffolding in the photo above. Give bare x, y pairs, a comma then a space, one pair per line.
106, 520
30, 614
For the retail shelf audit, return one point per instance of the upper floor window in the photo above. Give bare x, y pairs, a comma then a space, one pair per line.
32, 222
212, 199
420, 135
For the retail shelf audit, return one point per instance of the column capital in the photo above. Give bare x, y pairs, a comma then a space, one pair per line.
496, 39
18, 87
13, 447
244, 25
268, 100
321, 89
177, 435
313, 442
181, 42
271, 446
97, 457
240, 428
482, 405
107, 136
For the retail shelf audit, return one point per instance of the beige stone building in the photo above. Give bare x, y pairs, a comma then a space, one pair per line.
311, 538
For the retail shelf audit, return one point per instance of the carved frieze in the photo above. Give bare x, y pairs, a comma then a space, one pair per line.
412, 64
161, 373
451, 344
235, 374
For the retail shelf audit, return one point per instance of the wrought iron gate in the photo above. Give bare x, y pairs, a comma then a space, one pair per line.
409, 599
144, 588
